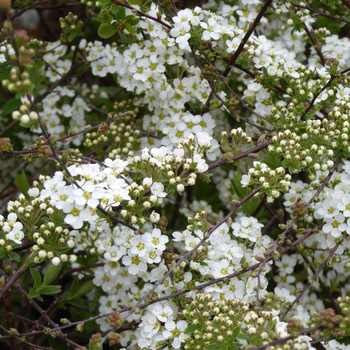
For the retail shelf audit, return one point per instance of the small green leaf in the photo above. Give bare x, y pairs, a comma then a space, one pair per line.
49, 289
235, 333
74, 288
22, 182
72, 36
84, 289
106, 30
233, 347
33, 294
216, 346
10, 106
190, 329
36, 277
14, 256
118, 12
237, 186
130, 29
51, 274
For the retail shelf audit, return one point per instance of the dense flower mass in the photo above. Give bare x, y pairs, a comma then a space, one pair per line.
176, 174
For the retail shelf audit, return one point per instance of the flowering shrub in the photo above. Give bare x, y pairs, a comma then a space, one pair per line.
175, 174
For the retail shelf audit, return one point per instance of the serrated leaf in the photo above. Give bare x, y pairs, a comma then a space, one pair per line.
11, 106
106, 30
14, 256
51, 274
36, 277
190, 329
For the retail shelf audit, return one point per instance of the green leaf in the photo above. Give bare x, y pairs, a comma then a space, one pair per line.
273, 160
36, 277
51, 274
232, 347
106, 30
118, 12
14, 256
22, 183
216, 346
237, 186
130, 29
235, 333
72, 36
49, 289
190, 329
84, 289
74, 288
78, 303
10, 106
33, 294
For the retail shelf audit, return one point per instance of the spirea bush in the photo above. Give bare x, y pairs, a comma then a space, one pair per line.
175, 174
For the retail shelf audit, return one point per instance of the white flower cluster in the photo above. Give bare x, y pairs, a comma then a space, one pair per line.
224, 252
94, 186
6, 52
152, 331
332, 208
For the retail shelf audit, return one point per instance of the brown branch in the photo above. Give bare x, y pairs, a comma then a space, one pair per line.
318, 271
314, 44
323, 286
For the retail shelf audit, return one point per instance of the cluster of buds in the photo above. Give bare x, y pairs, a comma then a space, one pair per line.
209, 72
224, 323
115, 320
233, 143
321, 34
53, 242
330, 324
297, 17
338, 127
299, 152
273, 182
5, 144
18, 83
198, 222
286, 117
94, 342
119, 134
26, 117
71, 27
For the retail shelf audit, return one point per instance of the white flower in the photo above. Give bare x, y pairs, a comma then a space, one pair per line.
34, 192
203, 139
55, 261
157, 189
247, 227
162, 312
154, 217
176, 332
245, 180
